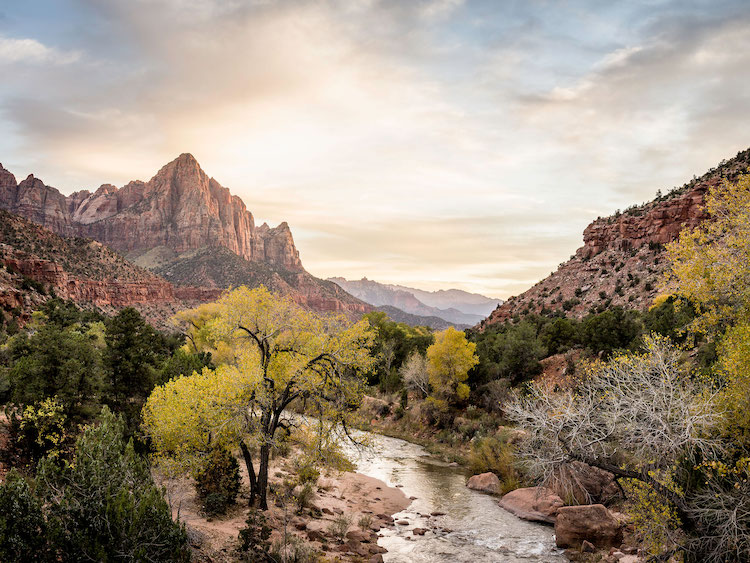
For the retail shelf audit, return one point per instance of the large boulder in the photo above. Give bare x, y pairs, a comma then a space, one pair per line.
589, 522
537, 504
579, 483
485, 482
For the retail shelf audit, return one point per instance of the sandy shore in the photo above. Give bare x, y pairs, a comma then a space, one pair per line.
366, 503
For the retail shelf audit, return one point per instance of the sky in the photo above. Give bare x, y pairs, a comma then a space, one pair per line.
432, 143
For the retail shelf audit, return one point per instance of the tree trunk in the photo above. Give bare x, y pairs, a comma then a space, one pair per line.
250, 471
263, 476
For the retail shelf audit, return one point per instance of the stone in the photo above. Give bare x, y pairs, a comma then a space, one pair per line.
579, 483
587, 547
402, 522
590, 522
536, 504
314, 535
419, 531
485, 482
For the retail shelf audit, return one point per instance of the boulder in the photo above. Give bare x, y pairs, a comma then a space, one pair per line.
579, 483
485, 482
537, 504
589, 522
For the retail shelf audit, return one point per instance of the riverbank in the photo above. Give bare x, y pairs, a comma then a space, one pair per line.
338, 520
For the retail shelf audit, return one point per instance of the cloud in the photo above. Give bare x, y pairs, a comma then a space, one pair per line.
13, 51
421, 142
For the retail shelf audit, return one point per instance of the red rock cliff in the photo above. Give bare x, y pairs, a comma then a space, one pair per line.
180, 208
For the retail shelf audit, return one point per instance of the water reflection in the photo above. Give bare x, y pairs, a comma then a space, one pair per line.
472, 528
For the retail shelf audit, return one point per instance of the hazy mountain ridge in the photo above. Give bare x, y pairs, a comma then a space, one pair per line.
460, 310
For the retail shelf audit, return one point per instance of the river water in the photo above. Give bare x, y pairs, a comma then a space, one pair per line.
473, 529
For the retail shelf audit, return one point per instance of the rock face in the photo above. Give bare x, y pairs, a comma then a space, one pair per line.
180, 208
485, 482
621, 262
536, 504
184, 226
590, 522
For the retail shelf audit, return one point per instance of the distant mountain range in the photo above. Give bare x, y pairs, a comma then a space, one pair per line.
183, 226
454, 306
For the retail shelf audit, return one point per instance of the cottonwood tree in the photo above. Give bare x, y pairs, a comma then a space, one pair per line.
449, 360
273, 353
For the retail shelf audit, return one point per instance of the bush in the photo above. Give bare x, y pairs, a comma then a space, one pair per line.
218, 481
496, 455
437, 413
22, 524
304, 497
340, 525
104, 505
254, 543
308, 473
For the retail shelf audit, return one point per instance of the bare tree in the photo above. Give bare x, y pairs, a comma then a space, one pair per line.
414, 373
636, 416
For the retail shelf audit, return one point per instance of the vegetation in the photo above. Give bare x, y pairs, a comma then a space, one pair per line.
218, 481
271, 353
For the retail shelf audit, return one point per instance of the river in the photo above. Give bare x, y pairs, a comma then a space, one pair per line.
473, 527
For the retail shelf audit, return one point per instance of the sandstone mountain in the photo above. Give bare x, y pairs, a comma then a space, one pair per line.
622, 259
457, 307
180, 224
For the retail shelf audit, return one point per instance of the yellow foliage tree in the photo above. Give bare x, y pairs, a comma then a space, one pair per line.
711, 266
449, 360
711, 263
271, 353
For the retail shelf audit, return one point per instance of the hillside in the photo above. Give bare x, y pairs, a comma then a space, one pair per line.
182, 225
621, 261
458, 307
38, 263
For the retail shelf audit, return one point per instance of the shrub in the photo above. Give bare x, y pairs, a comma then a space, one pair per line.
22, 524
340, 525
304, 497
218, 481
104, 505
365, 522
308, 473
495, 455
254, 543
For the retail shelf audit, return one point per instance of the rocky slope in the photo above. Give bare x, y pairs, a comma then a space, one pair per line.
622, 259
37, 263
184, 226
460, 307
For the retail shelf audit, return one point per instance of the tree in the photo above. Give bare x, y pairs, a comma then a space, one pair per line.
510, 351
641, 416
104, 505
56, 362
273, 353
134, 351
414, 373
614, 329
710, 263
22, 525
449, 360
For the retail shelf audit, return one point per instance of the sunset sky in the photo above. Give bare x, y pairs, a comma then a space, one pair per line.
434, 143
